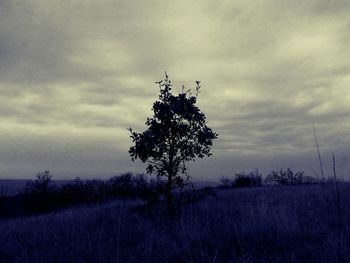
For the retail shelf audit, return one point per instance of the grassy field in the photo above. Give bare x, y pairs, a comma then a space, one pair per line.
263, 224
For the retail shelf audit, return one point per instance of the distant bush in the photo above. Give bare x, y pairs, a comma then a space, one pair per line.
250, 179
82, 192
126, 186
285, 177
253, 178
226, 182
37, 194
310, 180
74, 192
42, 185
123, 185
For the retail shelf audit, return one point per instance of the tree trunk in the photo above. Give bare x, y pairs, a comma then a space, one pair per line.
171, 175
168, 193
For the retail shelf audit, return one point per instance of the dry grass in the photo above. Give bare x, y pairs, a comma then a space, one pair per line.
267, 224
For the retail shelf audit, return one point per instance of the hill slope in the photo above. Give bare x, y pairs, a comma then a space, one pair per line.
267, 224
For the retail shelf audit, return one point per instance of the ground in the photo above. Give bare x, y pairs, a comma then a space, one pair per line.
263, 224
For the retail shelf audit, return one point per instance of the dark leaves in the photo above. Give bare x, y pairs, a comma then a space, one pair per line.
177, 132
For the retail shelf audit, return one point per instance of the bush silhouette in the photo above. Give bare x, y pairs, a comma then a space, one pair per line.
253, 178
285, 177
39, 191
226, 182
122, 185
42, 185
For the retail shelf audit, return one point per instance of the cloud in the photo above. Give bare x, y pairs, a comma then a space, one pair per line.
269, 69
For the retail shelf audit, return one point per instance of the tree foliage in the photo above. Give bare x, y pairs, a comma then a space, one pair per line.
177, 133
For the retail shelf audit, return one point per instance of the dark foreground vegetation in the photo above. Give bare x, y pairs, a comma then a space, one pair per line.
42, 195
259, 224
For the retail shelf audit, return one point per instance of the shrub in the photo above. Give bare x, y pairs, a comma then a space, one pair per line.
253, 178
122, 185
226, 182
73, 192
285, 177
38, 193
42, 185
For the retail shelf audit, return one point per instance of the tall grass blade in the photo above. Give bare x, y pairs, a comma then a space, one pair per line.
318, 152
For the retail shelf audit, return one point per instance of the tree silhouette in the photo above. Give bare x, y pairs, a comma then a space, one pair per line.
177, 133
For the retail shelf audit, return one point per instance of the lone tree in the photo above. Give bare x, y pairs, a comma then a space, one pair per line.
177, 133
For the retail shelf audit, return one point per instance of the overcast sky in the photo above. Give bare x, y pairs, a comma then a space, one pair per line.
75, 74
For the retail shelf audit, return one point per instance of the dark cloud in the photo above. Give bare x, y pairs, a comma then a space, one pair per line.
86, 69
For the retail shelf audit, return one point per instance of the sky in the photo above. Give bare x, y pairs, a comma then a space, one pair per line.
74, 75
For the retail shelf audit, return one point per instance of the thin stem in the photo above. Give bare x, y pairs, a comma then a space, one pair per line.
318, 152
